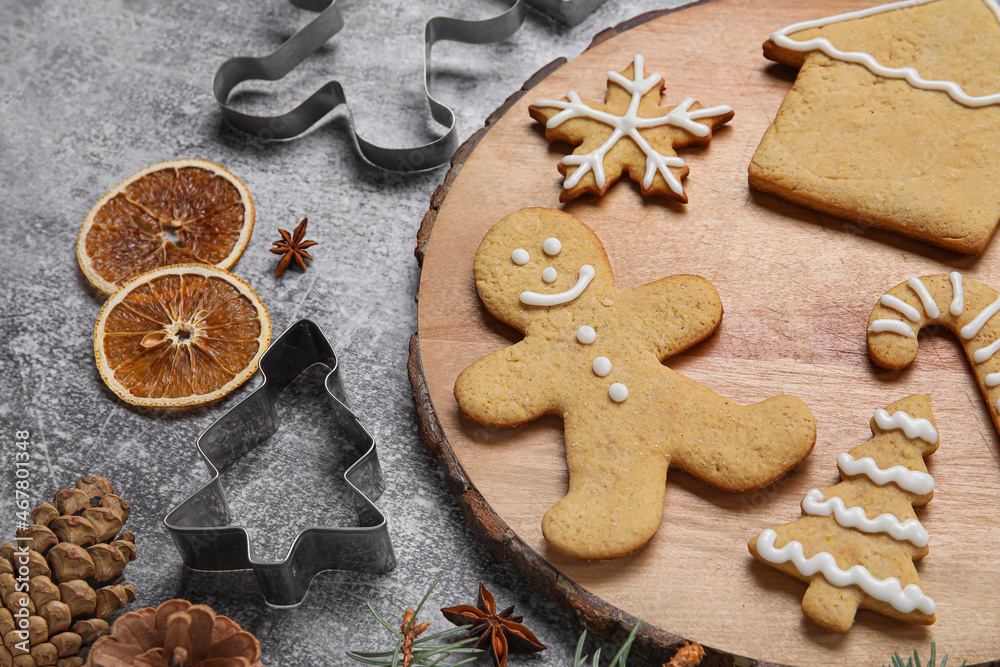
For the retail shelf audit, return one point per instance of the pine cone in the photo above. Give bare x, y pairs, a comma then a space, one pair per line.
59, 587
176, 634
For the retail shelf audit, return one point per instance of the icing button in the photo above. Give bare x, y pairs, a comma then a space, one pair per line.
618, 392
586, 335
602, 366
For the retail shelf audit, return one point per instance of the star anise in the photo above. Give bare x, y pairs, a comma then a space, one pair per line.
292, 247
498, 633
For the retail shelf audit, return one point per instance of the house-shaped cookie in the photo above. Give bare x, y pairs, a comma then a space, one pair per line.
893, 120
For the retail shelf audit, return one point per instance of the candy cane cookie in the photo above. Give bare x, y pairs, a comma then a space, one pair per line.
964, 306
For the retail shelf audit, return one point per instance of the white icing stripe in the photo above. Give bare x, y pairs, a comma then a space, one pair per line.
904, 600
900, 306
913, 481
628, 125
930, 306
913, 427
992, 380
895, 326
986, 352
911, 75
587, 274
910, 530
970, 330
958, 301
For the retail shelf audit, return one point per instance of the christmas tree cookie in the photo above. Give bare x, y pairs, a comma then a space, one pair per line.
592, 355
856, 542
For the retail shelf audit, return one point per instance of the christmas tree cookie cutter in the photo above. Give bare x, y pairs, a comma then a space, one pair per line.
200, 526
331, 95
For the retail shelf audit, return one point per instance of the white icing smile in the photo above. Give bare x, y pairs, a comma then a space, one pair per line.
587, 274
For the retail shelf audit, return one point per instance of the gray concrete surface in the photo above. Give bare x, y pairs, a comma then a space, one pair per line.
91, 92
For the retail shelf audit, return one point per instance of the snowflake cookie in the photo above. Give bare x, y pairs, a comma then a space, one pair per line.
964, 306
856, 542
592, 355
630, 132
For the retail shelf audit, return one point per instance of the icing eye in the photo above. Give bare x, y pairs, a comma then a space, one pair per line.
549, 275
552, 246
520, 256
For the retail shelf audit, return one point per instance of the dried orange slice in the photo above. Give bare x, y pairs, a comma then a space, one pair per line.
180, 335
177, 212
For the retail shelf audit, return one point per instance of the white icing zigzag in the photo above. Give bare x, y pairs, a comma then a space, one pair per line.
913, 427
629, 125
909, 74
913, 481
888, 590
910, 530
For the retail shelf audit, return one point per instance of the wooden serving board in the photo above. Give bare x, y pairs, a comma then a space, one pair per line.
797, 288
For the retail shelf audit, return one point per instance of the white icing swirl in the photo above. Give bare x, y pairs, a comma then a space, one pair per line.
913, 427
970, 330
913, 481
986, 352
911, 75
910, 530
930, 306
587, 274
908, 311
895, 326
904, 600
958, 301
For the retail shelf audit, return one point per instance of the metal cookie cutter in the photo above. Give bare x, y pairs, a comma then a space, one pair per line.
307, 40
200, 525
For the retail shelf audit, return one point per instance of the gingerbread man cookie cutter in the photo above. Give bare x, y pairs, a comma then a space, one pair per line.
331, 95
592, 354
200, 525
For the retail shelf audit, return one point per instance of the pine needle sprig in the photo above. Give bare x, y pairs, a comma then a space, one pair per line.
688, 655
580, 660
412, 649
897, 660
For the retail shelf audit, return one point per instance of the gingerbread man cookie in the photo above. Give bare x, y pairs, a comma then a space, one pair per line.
592, 354
630, 132
964, 306
856, 542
